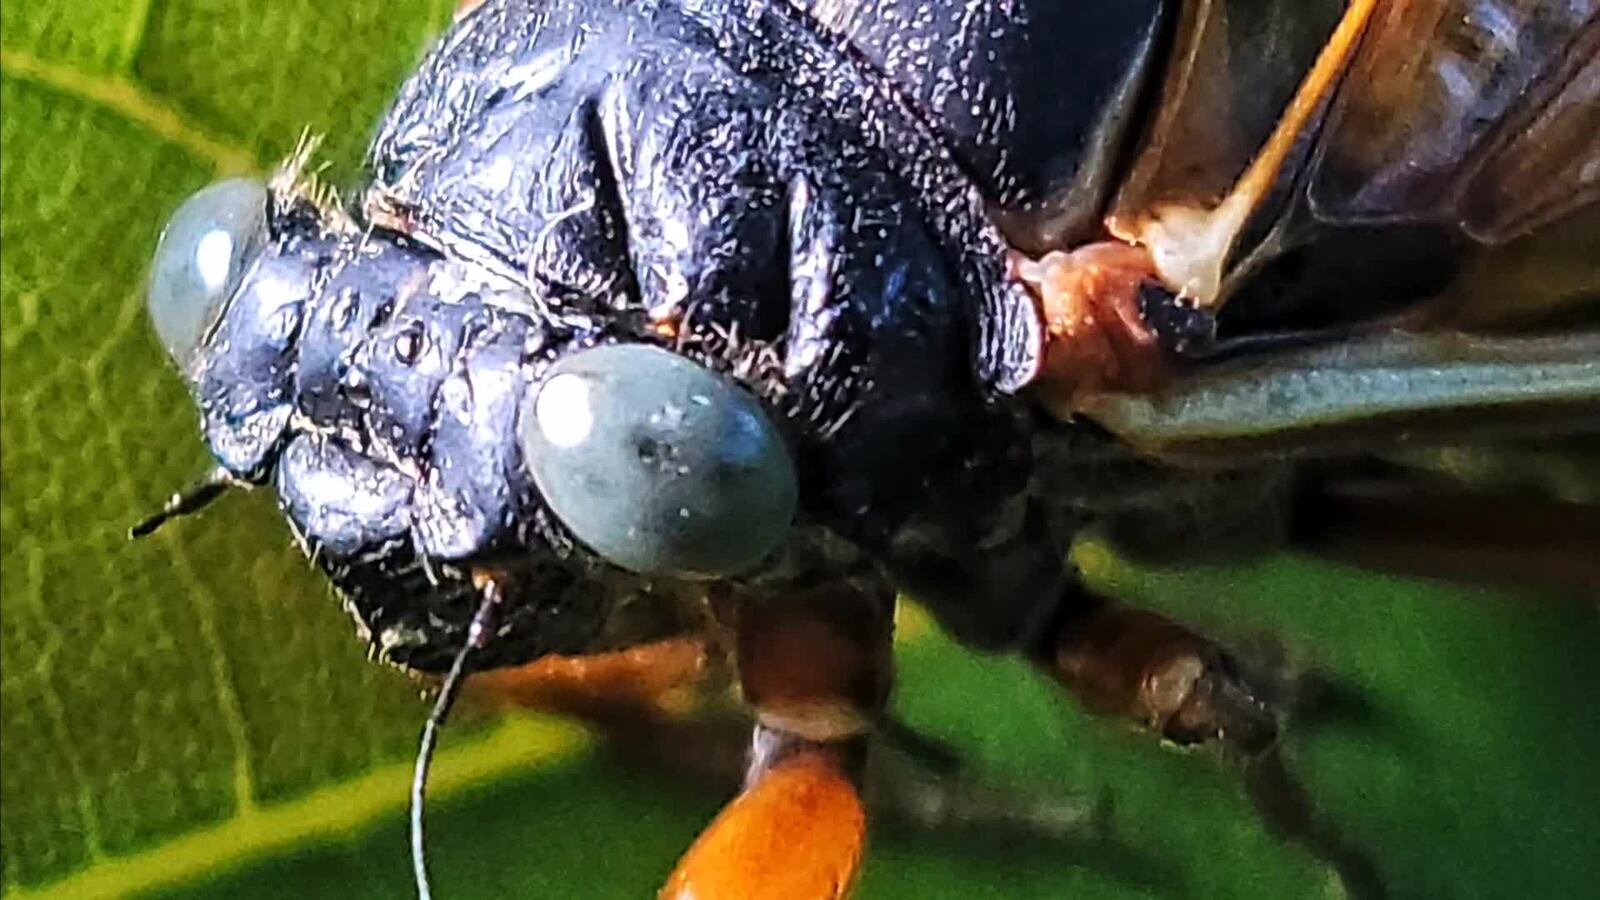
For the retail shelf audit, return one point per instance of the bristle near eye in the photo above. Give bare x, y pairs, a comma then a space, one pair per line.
296, 184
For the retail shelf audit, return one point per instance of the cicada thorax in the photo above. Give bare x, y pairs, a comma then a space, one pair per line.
1038, 98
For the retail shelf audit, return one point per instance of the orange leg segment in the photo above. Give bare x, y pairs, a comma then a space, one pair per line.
795, 834
646, 678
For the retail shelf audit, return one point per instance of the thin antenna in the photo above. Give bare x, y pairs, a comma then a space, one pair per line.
477, 635
189, 500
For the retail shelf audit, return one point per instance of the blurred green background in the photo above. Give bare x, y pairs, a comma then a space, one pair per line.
190, 716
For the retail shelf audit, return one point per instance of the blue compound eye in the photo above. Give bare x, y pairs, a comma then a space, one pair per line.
657, 463
205, 249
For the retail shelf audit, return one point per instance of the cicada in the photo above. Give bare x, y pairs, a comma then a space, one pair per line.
747, 317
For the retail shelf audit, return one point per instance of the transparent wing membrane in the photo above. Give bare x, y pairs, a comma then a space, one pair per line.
1475, 117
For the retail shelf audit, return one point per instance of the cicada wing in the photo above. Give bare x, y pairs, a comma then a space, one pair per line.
1446, 100
1551, 275
1411, 523
1560, 469
1449, 125
1245, 83
1480, 118
1535, 203
1547, 163
1522, 514
1363, 395
1232, 69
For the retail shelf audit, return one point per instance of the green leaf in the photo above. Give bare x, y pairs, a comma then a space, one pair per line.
152, 689
190, 715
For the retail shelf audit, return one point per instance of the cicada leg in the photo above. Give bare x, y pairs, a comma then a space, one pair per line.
1144, 667
816, 671
1190, 245
664, 705
596, 686
464, 8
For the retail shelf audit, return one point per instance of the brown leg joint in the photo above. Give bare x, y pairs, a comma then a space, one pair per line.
1154, 671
